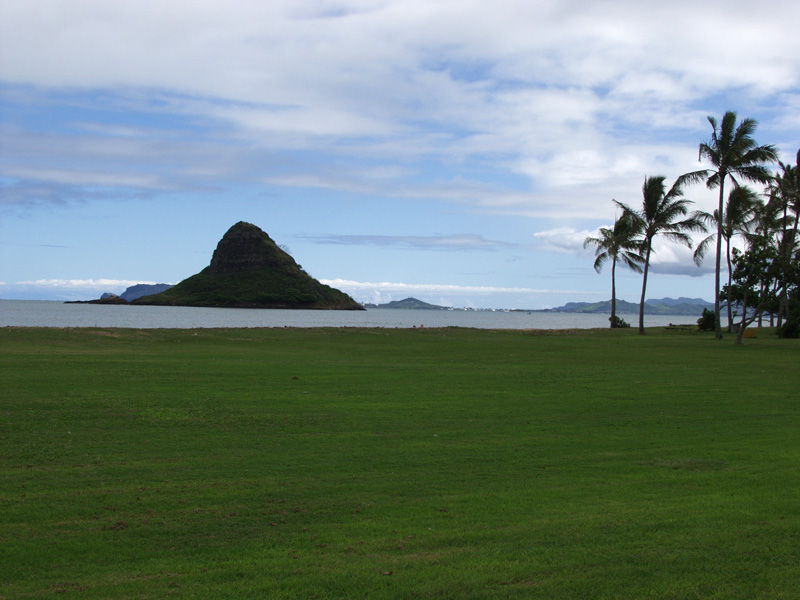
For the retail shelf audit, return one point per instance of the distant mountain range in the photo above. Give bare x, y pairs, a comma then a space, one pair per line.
132, 293
660, 306
139, 290
408, 303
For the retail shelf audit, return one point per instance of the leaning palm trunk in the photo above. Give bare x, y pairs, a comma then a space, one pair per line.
659, 215
644, 290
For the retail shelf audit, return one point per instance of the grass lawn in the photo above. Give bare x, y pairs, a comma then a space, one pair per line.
372, 463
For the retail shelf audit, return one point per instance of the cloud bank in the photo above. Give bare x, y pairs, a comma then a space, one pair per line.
551, 104
467, 241
435, 118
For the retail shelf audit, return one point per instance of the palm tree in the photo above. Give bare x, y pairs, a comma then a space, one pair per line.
785, 192
618, 244
733, 153
659, 215
765, 234
740, 213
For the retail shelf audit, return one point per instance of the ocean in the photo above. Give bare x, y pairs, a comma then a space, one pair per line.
35, 313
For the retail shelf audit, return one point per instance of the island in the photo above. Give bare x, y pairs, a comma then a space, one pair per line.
249, 270
409, 304
657, 306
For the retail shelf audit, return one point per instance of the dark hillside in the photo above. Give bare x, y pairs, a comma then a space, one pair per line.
249, 270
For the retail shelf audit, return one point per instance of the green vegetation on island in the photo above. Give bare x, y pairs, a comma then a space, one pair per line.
409, 304
665, 306
143, 289
394, 464
249, 270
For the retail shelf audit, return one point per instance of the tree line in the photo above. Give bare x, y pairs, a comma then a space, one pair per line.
762, 278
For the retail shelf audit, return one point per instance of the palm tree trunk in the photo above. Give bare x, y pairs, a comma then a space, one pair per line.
787, 257
730, 280
784, 300
613, 291
720, 219
740, 333
644, 288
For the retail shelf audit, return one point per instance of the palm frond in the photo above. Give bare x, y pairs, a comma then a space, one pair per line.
745, 129
693, 177
756, 155
751, 172
713, 181
706, 217
600, 261
702, 248
614, 242
678, 237
632, 260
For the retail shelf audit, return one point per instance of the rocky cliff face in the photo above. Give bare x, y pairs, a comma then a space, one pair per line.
245, 248
143, 289
249, 270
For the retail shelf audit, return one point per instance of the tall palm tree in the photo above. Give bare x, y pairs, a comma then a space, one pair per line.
785, 192
618, 244
659, 215
733, 153
740, 214
765, 233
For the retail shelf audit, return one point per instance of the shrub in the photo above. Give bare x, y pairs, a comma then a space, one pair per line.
706, 322
617, 322
790, 329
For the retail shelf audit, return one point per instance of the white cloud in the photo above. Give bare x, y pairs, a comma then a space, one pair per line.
564, 240
666, 257
545, 109
81, 283
369, 69
403, 287
459, 242
674, 259
88, 178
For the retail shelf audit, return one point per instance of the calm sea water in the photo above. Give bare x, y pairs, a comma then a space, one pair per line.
33, 313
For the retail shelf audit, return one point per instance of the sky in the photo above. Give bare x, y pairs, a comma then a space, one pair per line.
456, 151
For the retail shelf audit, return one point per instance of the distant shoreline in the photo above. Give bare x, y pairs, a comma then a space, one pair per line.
680, 307
32, 313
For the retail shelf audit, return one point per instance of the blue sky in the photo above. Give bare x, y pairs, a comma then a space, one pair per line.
458, 151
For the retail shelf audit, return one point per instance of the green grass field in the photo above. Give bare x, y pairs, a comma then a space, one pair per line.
428, 463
